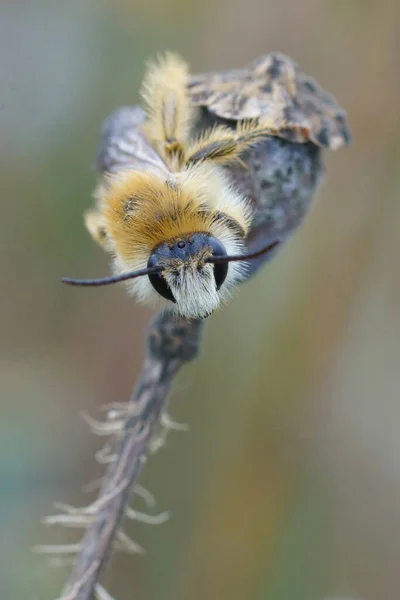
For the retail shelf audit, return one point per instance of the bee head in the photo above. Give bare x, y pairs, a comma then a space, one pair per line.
189, 272
187, 278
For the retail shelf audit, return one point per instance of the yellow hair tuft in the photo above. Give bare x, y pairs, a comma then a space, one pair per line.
168, 107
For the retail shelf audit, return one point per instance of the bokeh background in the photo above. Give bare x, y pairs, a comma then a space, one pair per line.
287, 486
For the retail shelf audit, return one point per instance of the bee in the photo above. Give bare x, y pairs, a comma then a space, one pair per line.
166, 209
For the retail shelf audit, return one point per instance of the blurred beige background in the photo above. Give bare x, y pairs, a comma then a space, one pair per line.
287, 486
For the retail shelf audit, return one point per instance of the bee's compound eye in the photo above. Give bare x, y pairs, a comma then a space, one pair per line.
158, 282
220, 269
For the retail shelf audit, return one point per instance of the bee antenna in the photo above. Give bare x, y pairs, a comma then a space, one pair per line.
238, 257
113, 278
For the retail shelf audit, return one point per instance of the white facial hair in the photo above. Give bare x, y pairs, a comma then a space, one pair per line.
195, 291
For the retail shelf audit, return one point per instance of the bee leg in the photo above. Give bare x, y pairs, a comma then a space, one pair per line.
168, 107
95, 225
223, 145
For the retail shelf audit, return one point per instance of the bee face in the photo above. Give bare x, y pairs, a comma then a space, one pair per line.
186, 279
174, 227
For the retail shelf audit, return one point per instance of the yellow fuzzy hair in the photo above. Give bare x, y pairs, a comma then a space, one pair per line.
224, 146
141, 211
168, 107
95, 224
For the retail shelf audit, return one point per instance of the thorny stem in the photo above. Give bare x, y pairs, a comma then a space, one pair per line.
171, 343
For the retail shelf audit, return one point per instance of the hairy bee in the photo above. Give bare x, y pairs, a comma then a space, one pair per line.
165, 209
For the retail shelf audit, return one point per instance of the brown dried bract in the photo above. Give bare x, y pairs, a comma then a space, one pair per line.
273, 87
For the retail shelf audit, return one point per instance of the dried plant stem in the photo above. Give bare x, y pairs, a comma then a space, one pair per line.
171, 343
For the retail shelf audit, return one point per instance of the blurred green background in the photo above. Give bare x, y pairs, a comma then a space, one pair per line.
287, 486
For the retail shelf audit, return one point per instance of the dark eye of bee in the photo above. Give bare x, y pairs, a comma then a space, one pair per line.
158, 282
220, 269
